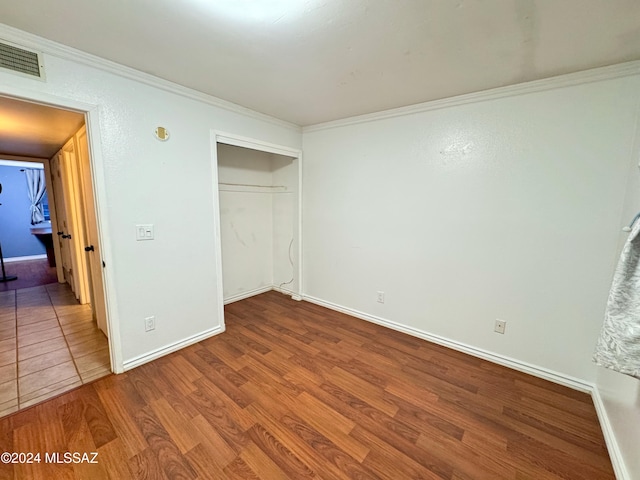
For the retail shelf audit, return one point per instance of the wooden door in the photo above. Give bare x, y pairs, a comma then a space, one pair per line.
48, 172
75, 221
60, 235
94, 258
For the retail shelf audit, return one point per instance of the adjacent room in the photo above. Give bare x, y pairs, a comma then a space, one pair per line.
52, 341
320, 239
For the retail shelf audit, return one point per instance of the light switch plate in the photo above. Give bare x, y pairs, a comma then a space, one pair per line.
144, 232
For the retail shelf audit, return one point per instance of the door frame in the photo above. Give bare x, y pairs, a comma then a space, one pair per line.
21, 161
253, 144
92, 122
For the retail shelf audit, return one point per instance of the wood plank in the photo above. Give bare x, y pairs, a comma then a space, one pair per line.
332, 452
165, 451
278, 453
305, 452
200, 459
293, 390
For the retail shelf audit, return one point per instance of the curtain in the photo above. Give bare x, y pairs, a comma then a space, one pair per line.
618, 347
36, 189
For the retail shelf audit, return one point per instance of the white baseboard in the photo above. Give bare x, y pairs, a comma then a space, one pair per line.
26, 258
285, 291
535, 370
617, 460
258, 291
166, 350
160, 352
250, 293
615, 454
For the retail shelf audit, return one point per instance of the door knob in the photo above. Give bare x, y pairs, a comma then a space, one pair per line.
66, 236
89, 248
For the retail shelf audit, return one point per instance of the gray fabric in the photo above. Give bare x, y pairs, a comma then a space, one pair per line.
618, 347
36, 190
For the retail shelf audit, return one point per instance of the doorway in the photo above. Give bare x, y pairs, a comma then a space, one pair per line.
56, 331
258, 195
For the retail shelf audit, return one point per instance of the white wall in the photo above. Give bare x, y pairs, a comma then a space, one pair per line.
258, 206
142, 180
507, 208
620, 394
286, 222
246, 220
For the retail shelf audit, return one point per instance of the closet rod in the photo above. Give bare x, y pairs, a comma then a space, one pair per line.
250, 185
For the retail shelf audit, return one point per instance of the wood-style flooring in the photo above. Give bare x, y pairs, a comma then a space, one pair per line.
294, 391
49, 344
30, 273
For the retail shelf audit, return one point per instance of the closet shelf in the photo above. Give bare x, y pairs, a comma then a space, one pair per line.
240, 187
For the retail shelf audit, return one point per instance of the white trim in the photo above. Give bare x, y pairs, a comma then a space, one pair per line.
253, 144
247, 294
615, 455
172, 347
535, 370
217, 236
617, 459
285, 291
258, 291
560, 81
25, 258
21, 164
92, 116
48, 47
298, 295
94, 143
46, 99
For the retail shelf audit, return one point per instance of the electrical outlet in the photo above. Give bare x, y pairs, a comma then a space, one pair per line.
500, 326
380, 297
149, 324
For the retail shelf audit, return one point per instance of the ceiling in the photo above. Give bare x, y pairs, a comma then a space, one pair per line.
311, 61
32, 130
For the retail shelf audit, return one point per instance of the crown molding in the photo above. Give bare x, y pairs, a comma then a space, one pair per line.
560, 81
49, 47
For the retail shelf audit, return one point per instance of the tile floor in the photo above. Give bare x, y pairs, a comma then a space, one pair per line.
48, 344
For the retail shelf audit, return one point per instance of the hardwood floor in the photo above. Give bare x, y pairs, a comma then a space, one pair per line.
292, 391
49, 344
30, 273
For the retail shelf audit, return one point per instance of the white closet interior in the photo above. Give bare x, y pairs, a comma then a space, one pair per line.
258, 194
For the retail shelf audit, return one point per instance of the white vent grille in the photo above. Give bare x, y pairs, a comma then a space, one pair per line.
20, 60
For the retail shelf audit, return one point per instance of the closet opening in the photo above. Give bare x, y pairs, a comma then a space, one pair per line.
258, 188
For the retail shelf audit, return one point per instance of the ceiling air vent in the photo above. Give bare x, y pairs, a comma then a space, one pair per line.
20, 60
